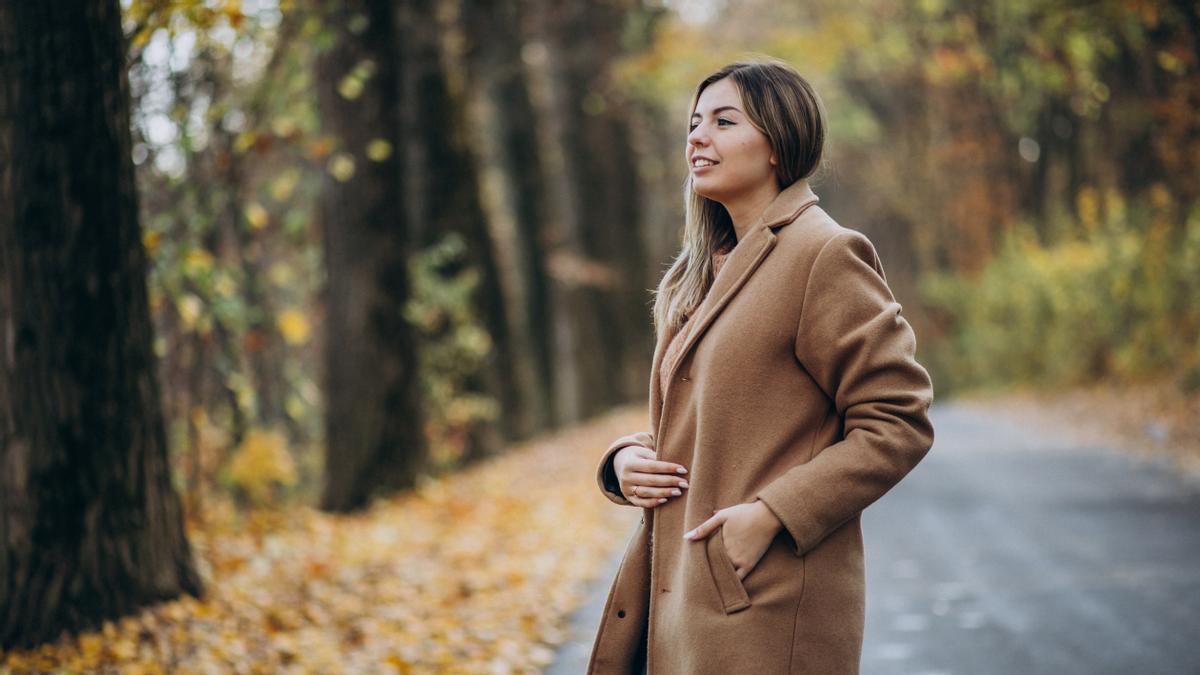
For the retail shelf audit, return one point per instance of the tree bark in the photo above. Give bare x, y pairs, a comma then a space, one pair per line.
374, 438
445, 176
610, 337
90, 525
495, 38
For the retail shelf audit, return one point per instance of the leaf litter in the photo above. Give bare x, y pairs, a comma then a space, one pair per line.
476, 572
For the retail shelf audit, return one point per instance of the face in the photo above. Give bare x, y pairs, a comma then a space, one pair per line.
743, 163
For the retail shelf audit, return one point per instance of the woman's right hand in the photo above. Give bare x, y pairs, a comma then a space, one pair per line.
644, 480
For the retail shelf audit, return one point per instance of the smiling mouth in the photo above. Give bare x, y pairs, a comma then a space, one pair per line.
701, 163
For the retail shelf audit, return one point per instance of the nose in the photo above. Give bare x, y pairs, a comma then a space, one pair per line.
697, 137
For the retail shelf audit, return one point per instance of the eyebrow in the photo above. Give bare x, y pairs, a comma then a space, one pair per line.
717, 110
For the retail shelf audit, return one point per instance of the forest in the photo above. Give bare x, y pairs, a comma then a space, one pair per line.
314, 315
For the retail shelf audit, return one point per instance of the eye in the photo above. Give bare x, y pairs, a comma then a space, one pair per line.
722, 119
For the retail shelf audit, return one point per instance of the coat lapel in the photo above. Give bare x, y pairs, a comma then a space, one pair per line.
738, 268
741, 264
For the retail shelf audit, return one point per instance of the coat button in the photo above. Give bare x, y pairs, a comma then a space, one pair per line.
621, 614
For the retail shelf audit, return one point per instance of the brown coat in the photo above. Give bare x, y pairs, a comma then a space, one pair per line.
798, 387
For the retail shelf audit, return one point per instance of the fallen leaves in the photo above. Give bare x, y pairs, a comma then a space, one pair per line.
474, 573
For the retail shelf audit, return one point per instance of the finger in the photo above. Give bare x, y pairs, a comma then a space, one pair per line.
651, 465
644, 452
658, 480
644, 490
706, 528
647, 503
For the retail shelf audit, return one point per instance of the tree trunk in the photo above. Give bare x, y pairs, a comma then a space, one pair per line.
603, 292
445, 176
90, 525
495, 39
374, 438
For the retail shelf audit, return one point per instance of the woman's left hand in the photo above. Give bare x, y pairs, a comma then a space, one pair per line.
749, 530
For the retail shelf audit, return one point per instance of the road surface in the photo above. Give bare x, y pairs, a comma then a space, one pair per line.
1012, 551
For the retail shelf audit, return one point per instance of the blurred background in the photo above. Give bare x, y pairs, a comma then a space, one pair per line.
388, 245
1029, 172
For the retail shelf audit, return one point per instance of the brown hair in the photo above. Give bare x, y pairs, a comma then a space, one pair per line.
784, 107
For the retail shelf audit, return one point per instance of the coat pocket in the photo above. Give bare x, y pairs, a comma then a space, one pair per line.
733, 594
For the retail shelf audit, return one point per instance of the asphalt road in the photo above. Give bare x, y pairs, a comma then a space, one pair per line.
1013, 551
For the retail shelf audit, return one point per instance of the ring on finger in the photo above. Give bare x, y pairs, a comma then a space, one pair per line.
635, 491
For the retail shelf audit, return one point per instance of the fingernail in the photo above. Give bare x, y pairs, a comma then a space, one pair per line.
662, 500
676, 492
688, 535
681, 470
683, 483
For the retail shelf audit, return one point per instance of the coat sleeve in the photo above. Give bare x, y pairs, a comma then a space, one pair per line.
606, 475
860, 351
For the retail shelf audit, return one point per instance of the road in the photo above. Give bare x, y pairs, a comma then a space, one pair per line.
1012, 550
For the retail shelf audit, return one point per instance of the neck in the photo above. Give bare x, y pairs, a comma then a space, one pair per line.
745, 210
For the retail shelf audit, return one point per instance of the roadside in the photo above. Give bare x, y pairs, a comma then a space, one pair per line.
1154, 420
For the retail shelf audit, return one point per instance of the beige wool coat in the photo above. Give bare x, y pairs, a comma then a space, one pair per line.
798, 386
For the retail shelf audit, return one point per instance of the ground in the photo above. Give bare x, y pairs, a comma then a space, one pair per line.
1029, 541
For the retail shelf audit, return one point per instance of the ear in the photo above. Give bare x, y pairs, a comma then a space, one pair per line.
773, 162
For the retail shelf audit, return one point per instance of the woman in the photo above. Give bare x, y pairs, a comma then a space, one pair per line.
784, 399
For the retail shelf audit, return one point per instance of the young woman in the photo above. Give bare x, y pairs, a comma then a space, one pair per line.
784, 399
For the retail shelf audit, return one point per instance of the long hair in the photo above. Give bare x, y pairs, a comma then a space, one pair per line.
784, 107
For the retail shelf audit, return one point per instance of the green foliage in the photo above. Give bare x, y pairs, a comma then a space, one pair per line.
228, 161
454, 347
1116, 300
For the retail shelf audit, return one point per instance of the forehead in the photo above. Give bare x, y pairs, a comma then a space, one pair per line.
721, 93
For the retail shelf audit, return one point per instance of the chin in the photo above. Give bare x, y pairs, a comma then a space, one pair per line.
707, 192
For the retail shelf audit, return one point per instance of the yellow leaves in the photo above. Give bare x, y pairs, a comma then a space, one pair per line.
1087, 204
379, 150
1171, 63
294, 326
244, 141
284, 126
151, 241
280, 274
948, 65
257, 216
1160, 196
190, 309
351, 86
320, 148
1114, 204
197, 261
232, 11
341, 167
224, 286
463, 574
91, 649
261, 461
931, 7
123, 649
285, 184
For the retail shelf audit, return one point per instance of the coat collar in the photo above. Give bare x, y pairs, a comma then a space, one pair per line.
742, 262
788, 205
